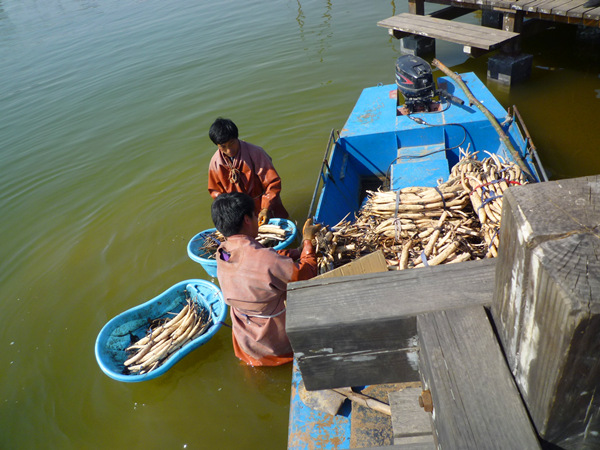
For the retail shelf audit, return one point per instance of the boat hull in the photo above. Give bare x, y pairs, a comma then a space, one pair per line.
380, 148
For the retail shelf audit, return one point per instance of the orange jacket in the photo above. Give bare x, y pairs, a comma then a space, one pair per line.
255, 175
254, 282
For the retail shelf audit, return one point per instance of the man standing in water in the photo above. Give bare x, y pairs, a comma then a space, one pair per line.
238, 166
254, 280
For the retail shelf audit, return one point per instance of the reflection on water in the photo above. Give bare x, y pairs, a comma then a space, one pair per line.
106, 108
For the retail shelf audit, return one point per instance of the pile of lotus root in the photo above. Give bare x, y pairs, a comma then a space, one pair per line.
458, 220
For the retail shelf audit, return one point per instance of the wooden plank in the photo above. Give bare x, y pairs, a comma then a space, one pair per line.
499, 4
461, 33
525, 5
467, 34
573, 5
558, 10
579, 11
475, 401
411, 424
593, 14
449, 13
589, 10
361, 329
555, 7
361, 368
536, 5
547, 304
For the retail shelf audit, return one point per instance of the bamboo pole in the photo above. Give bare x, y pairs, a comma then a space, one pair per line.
365, 400
503, 137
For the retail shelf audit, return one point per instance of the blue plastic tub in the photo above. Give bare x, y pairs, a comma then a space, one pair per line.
131, 325
210, 264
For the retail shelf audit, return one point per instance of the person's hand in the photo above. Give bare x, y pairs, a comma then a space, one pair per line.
263, 216
309, 231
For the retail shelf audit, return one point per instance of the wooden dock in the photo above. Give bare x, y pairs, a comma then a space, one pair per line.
461, 33
578, 12
507, 350
504, 24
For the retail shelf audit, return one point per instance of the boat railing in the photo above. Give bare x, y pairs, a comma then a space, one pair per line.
324, 172
530, 146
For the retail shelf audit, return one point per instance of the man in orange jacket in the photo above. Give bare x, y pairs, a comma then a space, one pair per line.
238, 166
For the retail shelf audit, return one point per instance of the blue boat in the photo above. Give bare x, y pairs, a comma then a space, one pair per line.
381, 146
131, 325
394, 145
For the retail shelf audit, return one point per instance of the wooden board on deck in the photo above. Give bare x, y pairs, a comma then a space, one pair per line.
476, 403
361, 330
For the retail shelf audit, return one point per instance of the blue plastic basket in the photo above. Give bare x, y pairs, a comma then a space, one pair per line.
116, 335
210, 264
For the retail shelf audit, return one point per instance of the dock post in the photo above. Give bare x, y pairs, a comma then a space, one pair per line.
417, 45
546, 305
510, 65
413, 44
491, 19
509, 69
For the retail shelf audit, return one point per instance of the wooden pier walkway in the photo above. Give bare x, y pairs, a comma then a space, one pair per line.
578, 12
504, 22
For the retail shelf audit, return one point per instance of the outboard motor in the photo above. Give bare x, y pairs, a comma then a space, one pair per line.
415, 82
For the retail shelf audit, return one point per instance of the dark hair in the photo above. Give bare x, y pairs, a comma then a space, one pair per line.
228, 211
222, 130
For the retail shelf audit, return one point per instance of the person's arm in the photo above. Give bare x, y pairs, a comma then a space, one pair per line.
215, 186
268, 176
293, 253
307, 267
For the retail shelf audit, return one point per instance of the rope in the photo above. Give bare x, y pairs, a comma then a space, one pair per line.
233, 172
397, 229
397, 223
441, 195
493, 237
488, 200
424, 258
494, 182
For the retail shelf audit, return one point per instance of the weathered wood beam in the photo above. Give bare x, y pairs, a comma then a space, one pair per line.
547, 304
361, 329
449, 13
461, 33
416, 7
475, 401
